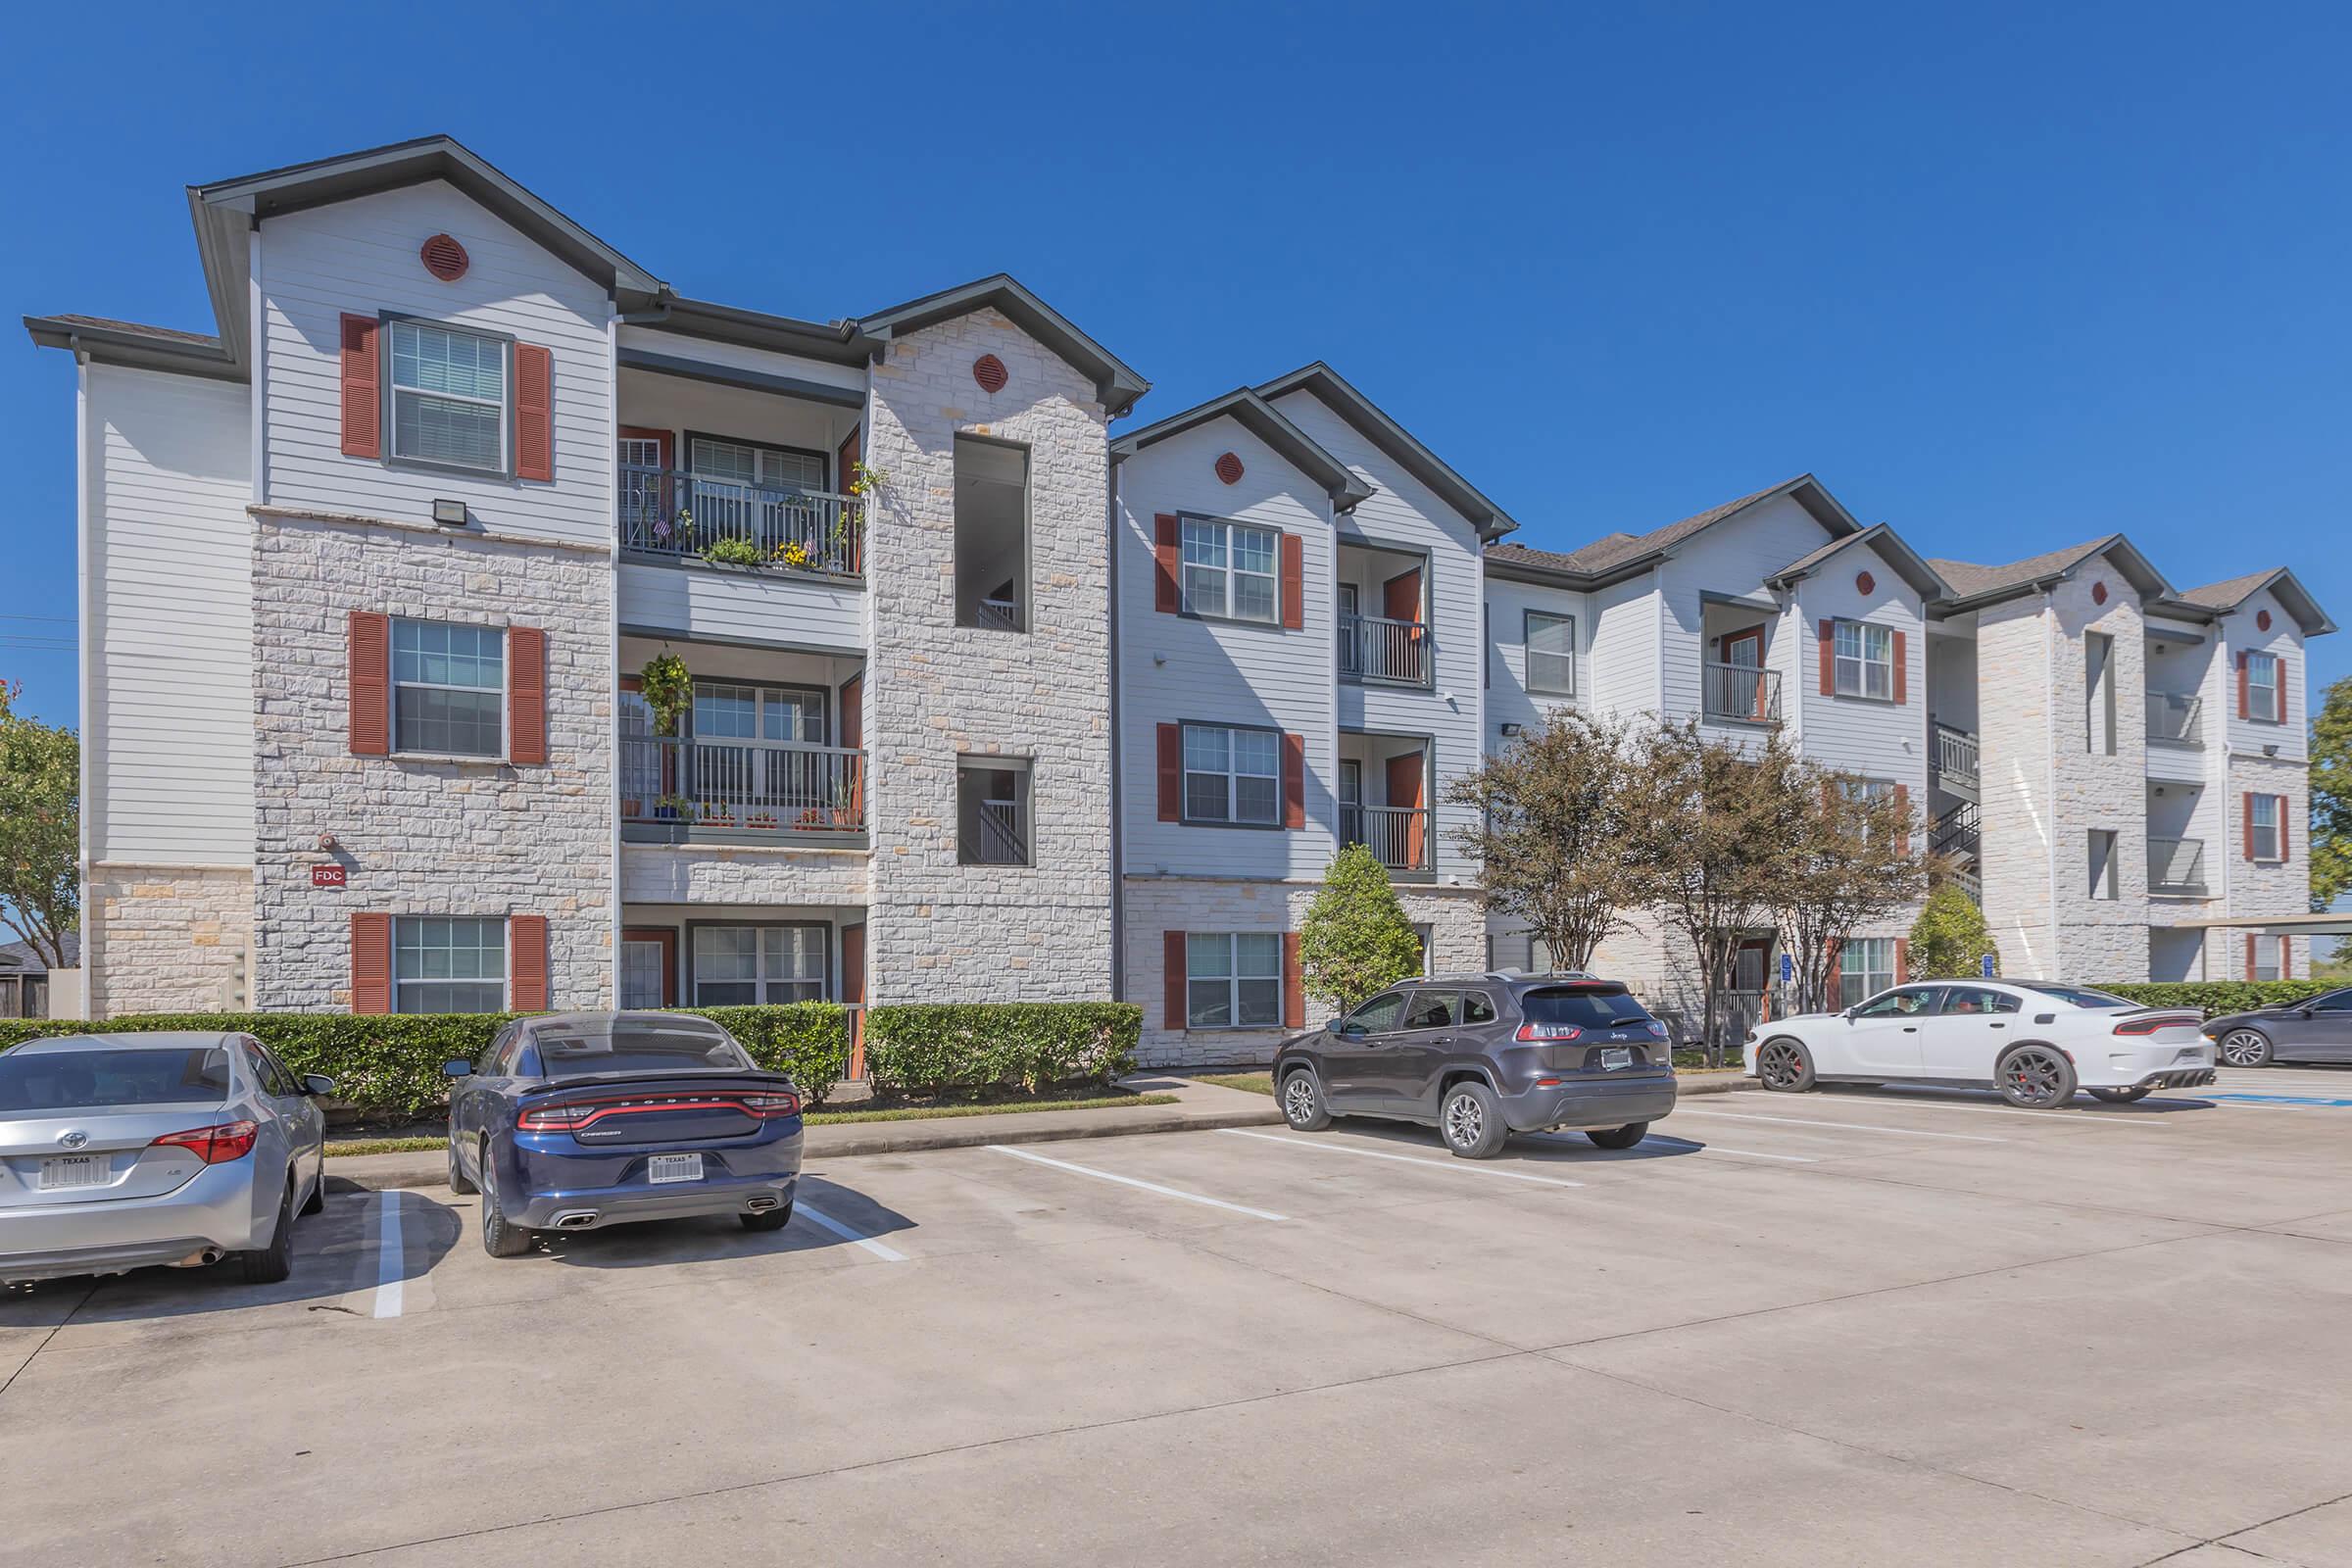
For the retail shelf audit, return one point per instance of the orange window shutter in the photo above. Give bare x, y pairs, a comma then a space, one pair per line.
2246, 811
526, 940
1172, 959
1902, 671
534, 412
2245, 688
369, 678
1829, 658
1902, 959
526, 693
370, 963
1294, 781
1293, 984
1164, 593
2282, 826
1171, 772
1294, 582
363, 387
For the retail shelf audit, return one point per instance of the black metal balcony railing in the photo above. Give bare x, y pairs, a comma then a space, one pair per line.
2177, 865
783, 786
666, 513
1398, 836
2174, 719
1376, 649
1743, 693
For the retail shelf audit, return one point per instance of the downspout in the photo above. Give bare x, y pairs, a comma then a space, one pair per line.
93, 736
618, 914
1118, 887
2049, 680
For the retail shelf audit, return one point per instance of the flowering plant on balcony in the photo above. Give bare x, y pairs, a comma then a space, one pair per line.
791, 553
718, 813
761, 819
730, 551
666, 689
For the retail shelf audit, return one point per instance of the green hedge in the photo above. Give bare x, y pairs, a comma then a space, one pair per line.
2216, 997
389, 1065
923, 1048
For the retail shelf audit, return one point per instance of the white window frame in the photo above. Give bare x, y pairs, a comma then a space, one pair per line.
2266, 848
762, 976
503, 403
1871, 650
2276, 950
1528, 635
505, 975
396, 685
1232, 774
1233, 978
2262, 696
1873, 977
1216, 534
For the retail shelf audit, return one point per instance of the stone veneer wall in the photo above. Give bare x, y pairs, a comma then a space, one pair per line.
165, 939
938, 930
422, 837
1156, 906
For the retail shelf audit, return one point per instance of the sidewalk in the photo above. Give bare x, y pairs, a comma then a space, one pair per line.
1198, 1107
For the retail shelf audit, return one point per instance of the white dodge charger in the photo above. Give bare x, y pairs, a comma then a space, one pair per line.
2034, 1041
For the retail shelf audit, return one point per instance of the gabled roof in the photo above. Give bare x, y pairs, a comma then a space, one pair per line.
1614, 556
1262, 419
1908, 563
2221, 598
1116, 384
1972, 586
1398, 443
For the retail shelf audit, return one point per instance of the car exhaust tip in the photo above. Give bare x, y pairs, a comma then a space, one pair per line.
760, 1205
575, 1219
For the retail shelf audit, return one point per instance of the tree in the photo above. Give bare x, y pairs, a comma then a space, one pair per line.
1950, 940
1710, 839
1851, 862
2332, 797
40, 830
1355, 940
1550, 840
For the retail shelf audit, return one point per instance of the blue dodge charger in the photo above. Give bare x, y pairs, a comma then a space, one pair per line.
575, 1120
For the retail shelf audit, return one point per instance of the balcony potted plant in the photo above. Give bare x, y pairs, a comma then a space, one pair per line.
845, 810
794, 554
718, 813
763, 819
670, 808
666, 688
730, 551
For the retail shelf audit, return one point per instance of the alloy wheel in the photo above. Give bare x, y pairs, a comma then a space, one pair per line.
1298, 1098
2035, 1075
1464, 1120
2243, 1048
1779, 1065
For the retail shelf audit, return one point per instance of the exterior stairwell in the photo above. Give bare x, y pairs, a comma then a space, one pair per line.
1956, 835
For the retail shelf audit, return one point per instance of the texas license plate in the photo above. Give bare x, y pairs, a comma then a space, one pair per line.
674, 1168
1616, 1056
73, 1170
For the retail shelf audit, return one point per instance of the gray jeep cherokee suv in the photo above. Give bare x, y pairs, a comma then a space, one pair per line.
1480, 1057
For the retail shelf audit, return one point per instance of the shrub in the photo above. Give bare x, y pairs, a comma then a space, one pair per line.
925, 1047
1951, 937
1355, 940
389, 1064
2216, 997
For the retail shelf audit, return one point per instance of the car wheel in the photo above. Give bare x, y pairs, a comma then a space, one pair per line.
2245, 1048
2121, 1097
2036, 1077
459, 1182
773, 1219
1302, 1102
1471, 1120
317, 1198
499, 1238
1624, 1137
1784, 1066
269, 1264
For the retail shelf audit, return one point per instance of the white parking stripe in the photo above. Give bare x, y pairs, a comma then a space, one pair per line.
388, 1266
1450, 1166
1129, 1181
2087, 1118
1847, 1126
888, 1254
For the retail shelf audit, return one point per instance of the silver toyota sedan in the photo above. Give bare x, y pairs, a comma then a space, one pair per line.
175, 1148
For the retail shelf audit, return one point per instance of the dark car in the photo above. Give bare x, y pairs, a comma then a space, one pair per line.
570, 1121
2317, 1030
1480, 1057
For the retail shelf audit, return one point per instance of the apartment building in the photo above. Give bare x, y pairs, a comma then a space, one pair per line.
474, 621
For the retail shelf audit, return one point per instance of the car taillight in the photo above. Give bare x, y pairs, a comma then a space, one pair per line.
763, 1106
1548, 1031
2148, 1026
554, 1118
215, 1144
1657, 1030
769, 1106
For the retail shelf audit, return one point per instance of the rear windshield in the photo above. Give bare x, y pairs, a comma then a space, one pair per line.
2078, 996
74, 1080
636, 1047
1585, 1007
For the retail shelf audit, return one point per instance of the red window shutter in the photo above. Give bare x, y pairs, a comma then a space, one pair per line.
2245, 809
1171, 772
1172, 979
1294, 781
1164, 594
1902, 959
1902, 798
370, 682
1902, 671
1293, 984
1829, 658
363, 387
370, 963
2253, 957
2282, 827
526, 693
1294, 582
2286, 958
534, 412
526, 940
2281, 667
2245, 688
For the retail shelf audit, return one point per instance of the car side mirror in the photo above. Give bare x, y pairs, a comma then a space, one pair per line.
1332, 1026
457, 1070
318, 1083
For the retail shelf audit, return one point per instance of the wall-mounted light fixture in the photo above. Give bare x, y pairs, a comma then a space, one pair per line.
1513, 729
448, 514
2271, 750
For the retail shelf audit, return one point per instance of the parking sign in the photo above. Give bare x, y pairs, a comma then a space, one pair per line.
1984, 967
1788, 969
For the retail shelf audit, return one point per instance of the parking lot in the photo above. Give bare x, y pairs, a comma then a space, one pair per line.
1861, 1327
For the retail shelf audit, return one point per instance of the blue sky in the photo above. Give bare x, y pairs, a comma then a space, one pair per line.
2006, 277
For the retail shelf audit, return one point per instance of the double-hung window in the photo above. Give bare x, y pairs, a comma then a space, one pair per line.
2262, 688
1232, 980
449, 688
1865, 968
1232, 775
1229, 571
2262, 825
1550, 654
449, 966
449, 397
1865, 660
741, 965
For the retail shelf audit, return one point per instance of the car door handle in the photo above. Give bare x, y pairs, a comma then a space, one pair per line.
2000, 1026
1443, 1040
1910, 1028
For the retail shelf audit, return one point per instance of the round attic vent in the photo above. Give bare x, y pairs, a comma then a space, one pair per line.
2098, 593
990, 372
1229, 468
2262, 620
444, 258
1864, 581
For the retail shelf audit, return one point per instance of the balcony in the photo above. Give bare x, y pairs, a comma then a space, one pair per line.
1955, 760
1741, 694
743, 789
691, 516
1383, 651
1399, 835
2176, 720
2177, 867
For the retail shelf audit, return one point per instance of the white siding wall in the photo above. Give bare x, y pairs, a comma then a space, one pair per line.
2240, 631
170, 710
361, 255
1877, 740
1731, 557
728, 602
685, 346
1623, 645
1507, 699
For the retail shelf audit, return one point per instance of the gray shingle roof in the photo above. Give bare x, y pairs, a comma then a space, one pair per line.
1968, 580
1616, 549
170, 335
2229, 594
16, 957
